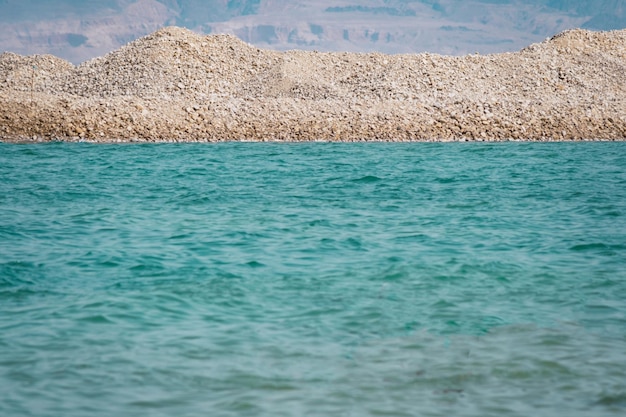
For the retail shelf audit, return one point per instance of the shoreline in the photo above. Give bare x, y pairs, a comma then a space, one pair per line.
142, 141
177, 86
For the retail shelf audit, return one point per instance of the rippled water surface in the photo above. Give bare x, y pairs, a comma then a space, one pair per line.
313, 280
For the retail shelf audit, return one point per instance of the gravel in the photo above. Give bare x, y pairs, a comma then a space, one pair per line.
175, 85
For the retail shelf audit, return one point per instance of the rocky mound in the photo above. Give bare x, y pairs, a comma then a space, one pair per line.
171, 63
177, 85
32, 73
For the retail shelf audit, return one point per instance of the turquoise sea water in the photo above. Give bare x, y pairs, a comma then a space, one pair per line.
313, 279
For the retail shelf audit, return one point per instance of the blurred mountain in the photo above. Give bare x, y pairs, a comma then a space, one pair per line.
81, 29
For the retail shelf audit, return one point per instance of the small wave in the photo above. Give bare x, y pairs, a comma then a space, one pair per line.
613, 400
96, 319
367, 179
589, 247
319, 222
468, 205
17, 273
18, 293
255, 264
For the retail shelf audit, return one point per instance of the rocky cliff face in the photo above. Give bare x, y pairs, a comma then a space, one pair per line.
78, 30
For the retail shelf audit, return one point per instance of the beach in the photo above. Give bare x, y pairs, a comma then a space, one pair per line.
178, 86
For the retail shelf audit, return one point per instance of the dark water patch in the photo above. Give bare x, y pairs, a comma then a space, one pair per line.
368, 179
616, 401
446, 180
95, 319
600, 247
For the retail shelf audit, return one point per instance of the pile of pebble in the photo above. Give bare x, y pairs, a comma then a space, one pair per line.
175, 85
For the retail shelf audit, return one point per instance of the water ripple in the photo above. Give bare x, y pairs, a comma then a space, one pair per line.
313, 279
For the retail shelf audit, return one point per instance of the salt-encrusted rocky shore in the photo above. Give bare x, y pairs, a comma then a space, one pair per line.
175, 85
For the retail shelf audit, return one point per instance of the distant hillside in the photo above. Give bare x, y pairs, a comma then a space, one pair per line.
81, 29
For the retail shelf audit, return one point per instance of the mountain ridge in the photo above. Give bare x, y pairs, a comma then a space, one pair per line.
80, 30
